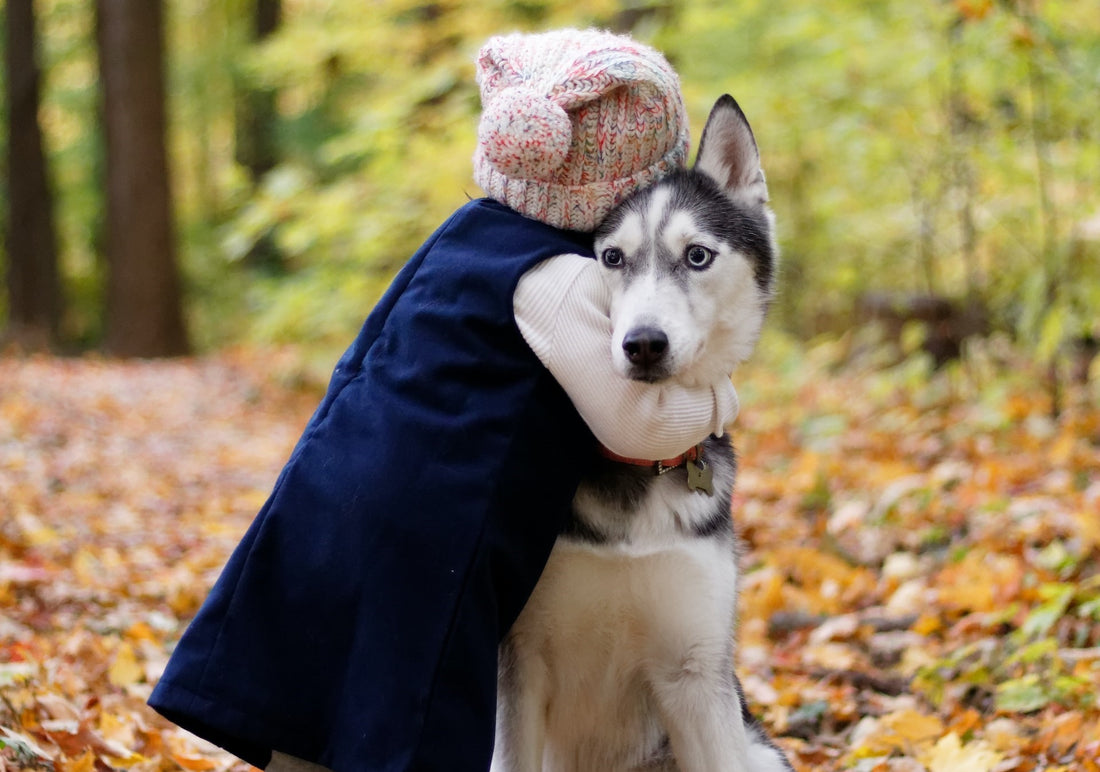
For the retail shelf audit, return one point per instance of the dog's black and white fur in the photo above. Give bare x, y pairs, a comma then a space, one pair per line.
623, 657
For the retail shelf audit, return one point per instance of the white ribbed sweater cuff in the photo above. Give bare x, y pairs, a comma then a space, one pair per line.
561, 307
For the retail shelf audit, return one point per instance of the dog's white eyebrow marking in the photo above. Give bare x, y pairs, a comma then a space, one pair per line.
629, 234
658, 204
679, 231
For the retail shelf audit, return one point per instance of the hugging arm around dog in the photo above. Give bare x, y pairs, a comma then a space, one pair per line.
356, 625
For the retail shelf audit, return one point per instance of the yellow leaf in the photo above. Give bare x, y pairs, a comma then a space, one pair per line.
125, 670
831, 656
1088, 528
86, 567
950, 755
913, 726
903, 730
969, 596
113, 728
927, 624
35, 532
125, 762
85, 762
140, 631
980, 582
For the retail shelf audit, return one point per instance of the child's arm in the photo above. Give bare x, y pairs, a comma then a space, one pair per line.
561, 307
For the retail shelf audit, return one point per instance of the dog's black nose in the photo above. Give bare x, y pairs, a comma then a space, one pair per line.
645, 346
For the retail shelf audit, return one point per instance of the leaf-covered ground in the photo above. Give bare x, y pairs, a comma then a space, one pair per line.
920, 585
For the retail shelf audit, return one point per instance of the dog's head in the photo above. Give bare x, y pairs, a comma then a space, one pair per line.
691, 261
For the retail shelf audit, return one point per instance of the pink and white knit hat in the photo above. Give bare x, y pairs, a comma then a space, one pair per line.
573, 122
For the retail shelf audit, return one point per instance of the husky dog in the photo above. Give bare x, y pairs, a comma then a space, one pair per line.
622, 658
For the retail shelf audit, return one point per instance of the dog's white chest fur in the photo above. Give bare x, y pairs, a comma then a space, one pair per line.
606, 624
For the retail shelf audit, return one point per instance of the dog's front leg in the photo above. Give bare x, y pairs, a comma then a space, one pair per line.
701, 711
521, 710
690, 660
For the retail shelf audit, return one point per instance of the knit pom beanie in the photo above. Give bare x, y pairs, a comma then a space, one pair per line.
573, 122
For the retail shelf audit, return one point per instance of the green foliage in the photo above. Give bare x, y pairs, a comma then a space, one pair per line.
938, 146
1026, 670
378, 122
902, 143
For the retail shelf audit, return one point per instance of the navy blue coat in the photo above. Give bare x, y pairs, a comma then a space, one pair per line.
357, 623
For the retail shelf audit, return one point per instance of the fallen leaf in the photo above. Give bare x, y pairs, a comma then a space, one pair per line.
23, 745
194, 763
904, 731
950, 755
125, 668
85, 762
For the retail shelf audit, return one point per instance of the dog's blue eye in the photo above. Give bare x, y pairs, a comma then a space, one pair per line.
612, 257
699, 257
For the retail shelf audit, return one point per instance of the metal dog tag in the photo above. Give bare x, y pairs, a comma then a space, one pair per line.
700, 477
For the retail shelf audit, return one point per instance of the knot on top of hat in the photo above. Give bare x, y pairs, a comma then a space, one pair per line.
524, 133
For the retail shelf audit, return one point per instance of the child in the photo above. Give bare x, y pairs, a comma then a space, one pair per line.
356, 626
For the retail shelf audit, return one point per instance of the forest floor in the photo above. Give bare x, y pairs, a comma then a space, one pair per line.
920, 589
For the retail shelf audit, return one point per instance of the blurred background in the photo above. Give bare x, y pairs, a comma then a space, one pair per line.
195, 174
239, 179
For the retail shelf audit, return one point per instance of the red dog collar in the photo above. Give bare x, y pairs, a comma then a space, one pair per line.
659, 466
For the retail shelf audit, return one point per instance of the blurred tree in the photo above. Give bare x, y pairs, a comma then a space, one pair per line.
255, 137
256, 112
144, 315
34, 294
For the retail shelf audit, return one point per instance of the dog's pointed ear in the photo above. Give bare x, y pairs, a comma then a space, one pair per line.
728, 154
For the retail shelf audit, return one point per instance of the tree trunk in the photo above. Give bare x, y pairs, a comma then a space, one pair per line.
144, 315
255, 136
34, 291
255, 146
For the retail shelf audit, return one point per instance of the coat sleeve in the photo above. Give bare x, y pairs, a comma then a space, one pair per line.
562, 309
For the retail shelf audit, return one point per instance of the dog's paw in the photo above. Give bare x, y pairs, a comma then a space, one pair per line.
764, 755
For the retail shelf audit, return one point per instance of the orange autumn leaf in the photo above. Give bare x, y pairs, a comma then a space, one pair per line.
194, 763
974, 10
1063, 732
980, 582
85, 762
